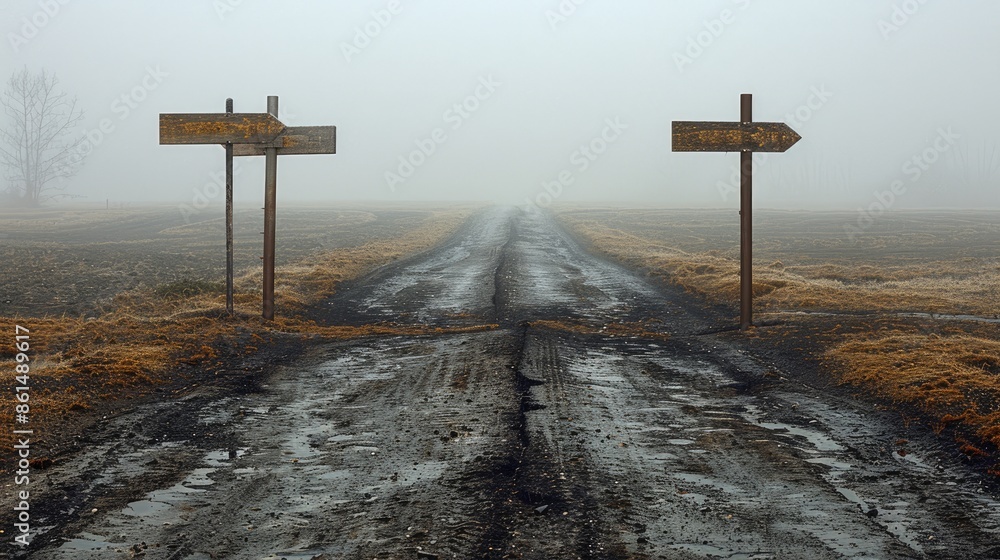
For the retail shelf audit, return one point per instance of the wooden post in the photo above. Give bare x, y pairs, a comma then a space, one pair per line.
270, 201
746, 221
229, 217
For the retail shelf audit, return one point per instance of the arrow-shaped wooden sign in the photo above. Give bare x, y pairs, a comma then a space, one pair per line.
694, 136
219, 128
296, 140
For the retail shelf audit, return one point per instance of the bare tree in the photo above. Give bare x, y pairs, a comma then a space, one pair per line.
35, 146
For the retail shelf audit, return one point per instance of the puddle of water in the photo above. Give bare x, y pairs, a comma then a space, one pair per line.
948, 317
725, 414
895, 518
895, 522
199, 477
709, 430
852, 496
131, 464
913, 459
833, 463
698, 370
356, 368
939, 316
175, 491
297, 445
891, 520
160, 505
88, 542
223, 456
143, 508
820, 441
680, 441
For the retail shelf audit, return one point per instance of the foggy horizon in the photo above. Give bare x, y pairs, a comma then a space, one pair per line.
497, 101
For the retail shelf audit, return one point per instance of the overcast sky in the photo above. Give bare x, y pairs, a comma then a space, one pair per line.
510, 96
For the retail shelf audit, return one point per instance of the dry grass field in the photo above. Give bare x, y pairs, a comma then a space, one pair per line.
116, 302
908, 310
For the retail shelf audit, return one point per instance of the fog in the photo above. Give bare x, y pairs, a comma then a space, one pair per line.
495, 100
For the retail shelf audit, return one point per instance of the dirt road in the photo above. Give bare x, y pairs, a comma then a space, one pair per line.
527, 441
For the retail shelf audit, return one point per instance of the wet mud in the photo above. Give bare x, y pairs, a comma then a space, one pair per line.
519, 442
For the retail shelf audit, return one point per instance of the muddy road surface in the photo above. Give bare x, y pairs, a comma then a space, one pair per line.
554, 435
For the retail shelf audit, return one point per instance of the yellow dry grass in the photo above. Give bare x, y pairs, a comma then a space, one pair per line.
953, 377
136, 344
957, 287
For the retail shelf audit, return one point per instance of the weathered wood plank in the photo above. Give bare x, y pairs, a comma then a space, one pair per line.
694, 136
219, 128
297, 140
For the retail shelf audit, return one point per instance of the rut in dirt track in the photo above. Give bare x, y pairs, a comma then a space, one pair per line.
524, 441
529, 476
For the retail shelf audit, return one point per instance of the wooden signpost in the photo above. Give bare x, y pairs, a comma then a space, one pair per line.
250, 134
745, 137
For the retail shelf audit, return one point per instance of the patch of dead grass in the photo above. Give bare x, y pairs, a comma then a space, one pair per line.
952, 377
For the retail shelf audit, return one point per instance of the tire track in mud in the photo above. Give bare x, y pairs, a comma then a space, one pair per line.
528, 486
532, 489
375, 436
